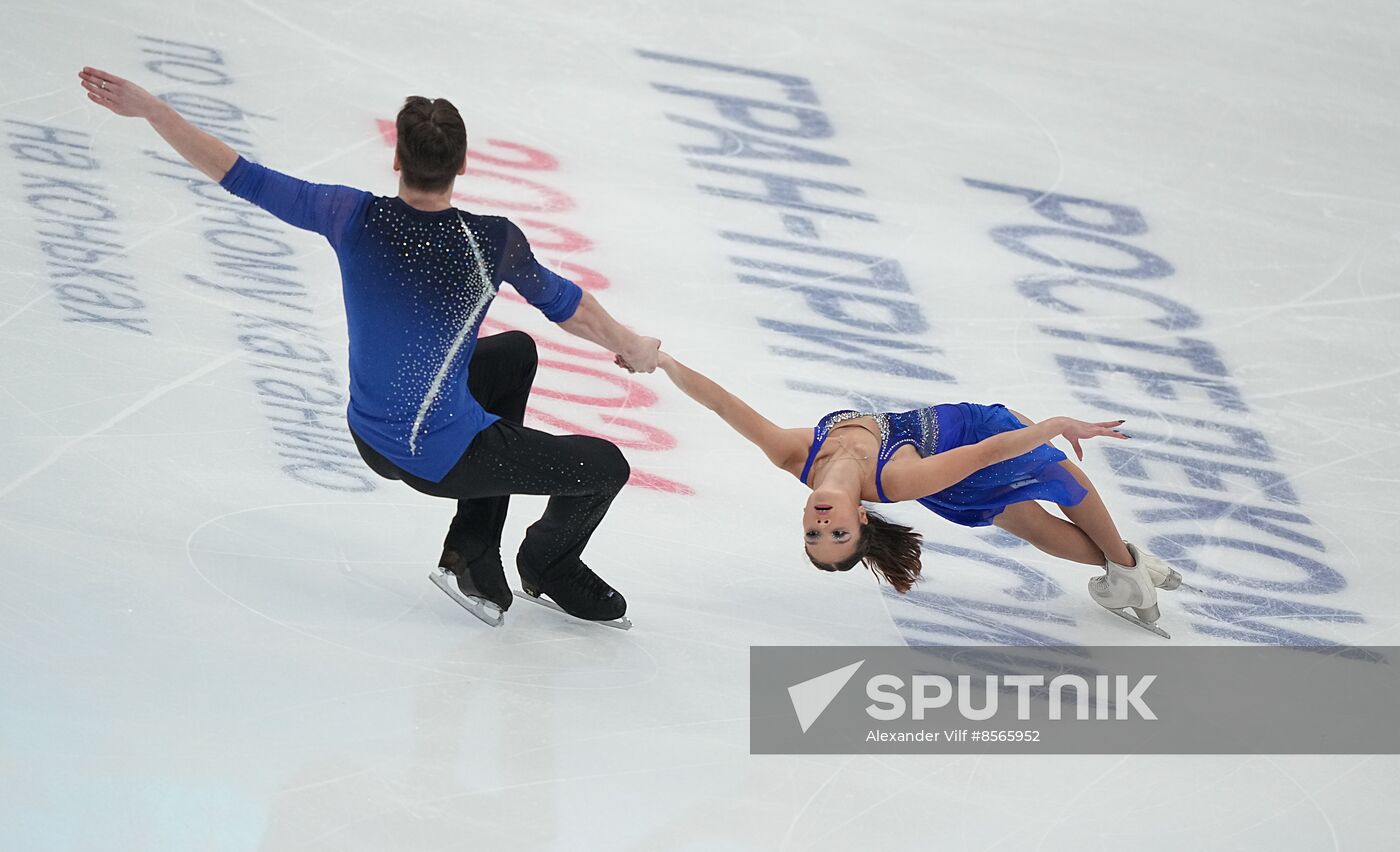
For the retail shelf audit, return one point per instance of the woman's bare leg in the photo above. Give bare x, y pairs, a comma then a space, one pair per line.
1091, 515
1056, 536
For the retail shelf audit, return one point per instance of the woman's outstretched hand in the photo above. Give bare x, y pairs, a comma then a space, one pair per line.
1077, 430
121, 96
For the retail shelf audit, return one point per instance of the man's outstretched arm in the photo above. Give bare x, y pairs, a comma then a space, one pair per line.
572, 308
125, 98
326, 209
591, 322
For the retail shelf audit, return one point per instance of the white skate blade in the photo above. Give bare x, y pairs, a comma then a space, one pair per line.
483, 609
1128, 615
623, 623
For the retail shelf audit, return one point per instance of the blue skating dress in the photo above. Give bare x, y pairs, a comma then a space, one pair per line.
979, 498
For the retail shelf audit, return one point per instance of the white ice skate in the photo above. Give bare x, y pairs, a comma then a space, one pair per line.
1164, 576
1130, 594
458, 588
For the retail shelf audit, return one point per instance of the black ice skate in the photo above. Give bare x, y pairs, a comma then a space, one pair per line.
577, 591
480, 588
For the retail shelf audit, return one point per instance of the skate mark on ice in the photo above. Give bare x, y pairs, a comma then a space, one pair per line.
414, 809
1307, 794
358, 58
1065, 808
194, 564
151, 396
645, 729
802, 811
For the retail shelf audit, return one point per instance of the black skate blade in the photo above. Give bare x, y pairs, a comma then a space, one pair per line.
483, 609
623, 623
1145, 625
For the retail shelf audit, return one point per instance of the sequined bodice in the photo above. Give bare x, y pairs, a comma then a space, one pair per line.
918, 427
836, 418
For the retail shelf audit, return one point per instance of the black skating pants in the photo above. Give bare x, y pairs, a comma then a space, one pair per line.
581, 475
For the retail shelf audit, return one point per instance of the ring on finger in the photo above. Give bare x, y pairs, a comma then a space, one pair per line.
104, 84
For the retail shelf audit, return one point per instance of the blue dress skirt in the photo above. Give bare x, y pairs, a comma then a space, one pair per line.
976, 500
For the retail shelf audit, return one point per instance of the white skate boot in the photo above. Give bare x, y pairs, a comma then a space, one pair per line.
1164, 576
1122, 589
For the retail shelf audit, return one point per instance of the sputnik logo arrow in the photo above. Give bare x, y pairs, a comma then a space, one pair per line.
810, 698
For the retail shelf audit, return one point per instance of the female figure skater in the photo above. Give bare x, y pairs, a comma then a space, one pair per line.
972, 464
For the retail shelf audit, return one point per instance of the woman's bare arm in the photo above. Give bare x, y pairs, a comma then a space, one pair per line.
933, 474
783, 447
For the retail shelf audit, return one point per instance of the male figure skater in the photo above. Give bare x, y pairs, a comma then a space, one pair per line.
430, 404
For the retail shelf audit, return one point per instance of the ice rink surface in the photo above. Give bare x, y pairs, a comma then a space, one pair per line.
217, 630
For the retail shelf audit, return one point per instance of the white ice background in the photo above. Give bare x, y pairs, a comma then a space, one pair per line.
202, 651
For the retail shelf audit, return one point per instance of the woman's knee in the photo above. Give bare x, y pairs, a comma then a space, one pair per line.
1021, 519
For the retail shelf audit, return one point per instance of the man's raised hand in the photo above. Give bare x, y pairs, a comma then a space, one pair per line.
119, 95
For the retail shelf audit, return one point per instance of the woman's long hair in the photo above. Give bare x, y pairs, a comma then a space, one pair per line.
888, 549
